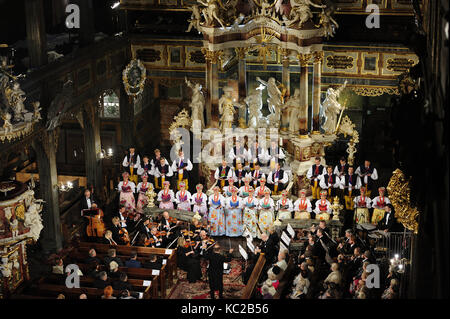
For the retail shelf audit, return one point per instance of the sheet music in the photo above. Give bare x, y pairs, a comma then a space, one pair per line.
225, 265
250, 246
290, 230
155, 272
283, 247
168, 252
141, 295
285, 238
243, 252
164, 261
146, 283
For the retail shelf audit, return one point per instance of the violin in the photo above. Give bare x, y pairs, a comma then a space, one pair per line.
125, 236
187, 233
152, 240
189, 243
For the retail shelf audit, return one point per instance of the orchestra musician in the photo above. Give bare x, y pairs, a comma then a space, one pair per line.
215, 270
314, 173
108, 238
88, 201
119, 233
155, 239
168, 224
187, 261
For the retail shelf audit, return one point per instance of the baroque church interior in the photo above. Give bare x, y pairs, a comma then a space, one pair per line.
235, 149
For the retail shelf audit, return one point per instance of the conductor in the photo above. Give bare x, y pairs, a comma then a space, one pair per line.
215, 270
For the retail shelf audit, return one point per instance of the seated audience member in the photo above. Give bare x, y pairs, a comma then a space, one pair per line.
92, 257
133, 262
153, 263
58, 268
392, 291
94, 269
335, 276
102, 280
114, 270
82, 296
122, 283
112, 257
125, 294
108, 293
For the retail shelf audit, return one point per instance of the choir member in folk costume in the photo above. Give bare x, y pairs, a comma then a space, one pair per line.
131, 163
127, 190
341, 169
233, 214
350, 185
199, 200
244, 190
183, 198
323, 207
266, 212
166, 197
284, 206
256, 175
142, 188
362, 205
277, 179
221, 174
274, 153
216, 216
182, 166
145, 167
155, 161
250, 219
313, 175
254, 155
368, 174
330, 182
261, 190
378, 205
302, 206
227, 189
238, 175
162, 172
238, 154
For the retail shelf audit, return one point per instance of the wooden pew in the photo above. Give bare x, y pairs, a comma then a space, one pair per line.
137, 284
253, 280
52, 290
141, 251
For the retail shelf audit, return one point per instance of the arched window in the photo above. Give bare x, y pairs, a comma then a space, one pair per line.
109, 102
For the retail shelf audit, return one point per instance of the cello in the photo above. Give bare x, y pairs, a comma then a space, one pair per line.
96, 226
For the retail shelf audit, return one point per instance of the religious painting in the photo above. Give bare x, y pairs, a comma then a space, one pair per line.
134, 77
175, 58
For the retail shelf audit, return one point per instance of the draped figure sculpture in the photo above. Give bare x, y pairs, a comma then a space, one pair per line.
197, 101
332, 108
255, 103
274, 100
226, 108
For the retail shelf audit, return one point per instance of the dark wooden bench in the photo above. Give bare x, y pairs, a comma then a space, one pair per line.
52, 290
253, 280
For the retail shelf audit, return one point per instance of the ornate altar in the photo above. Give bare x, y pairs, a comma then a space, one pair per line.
20, 223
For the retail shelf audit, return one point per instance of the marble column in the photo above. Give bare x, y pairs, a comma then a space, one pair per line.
303, 118
45, 147
36, 36
317, 79
93, 147
126, 118
286, 75
242, 85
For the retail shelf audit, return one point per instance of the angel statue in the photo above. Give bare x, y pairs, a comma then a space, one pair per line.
275, 100
194, 21
211, 12
301, 11
16, 97
197, 101
332, 108
226, 108
328, 23
254, 103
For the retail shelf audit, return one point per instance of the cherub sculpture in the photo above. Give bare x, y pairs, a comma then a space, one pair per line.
194, 21
301, 12
211, 11
328, 23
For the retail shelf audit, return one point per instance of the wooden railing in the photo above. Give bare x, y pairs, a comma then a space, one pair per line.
253, 280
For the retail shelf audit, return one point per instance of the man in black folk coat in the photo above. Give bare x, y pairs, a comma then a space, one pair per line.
215, 270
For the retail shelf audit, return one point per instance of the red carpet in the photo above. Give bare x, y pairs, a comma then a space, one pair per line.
232, 283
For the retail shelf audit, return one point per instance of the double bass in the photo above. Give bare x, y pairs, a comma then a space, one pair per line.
96, 226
